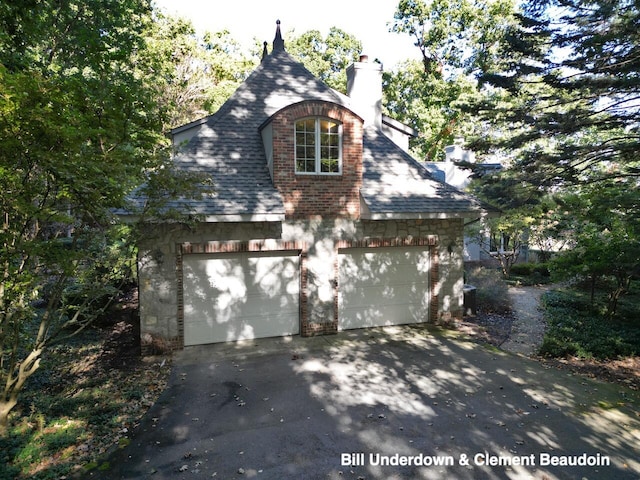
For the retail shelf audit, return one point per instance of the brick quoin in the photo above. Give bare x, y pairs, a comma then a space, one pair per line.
327, 196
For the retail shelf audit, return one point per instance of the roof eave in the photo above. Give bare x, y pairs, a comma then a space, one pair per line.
421, 215
219, 218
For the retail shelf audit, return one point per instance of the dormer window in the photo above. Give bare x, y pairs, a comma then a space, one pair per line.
318, 146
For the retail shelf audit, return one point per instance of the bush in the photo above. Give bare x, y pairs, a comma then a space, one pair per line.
575, 327
529, 269
492, 294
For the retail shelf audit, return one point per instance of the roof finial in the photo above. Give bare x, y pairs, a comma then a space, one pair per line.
278, 42
265, 53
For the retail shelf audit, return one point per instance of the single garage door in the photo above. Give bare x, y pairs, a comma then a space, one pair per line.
237, 296
383, 286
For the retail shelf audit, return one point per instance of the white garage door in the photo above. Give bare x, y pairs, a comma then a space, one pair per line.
383, 286
237, 296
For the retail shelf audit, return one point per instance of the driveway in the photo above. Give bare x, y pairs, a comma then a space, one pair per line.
299, 407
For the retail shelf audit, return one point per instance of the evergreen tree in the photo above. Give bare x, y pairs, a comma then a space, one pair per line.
564, 92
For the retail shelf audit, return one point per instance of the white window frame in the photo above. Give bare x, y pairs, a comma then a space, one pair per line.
318, 159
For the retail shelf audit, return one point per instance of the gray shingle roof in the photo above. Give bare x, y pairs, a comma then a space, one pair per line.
230, 147
229, 144
394, 183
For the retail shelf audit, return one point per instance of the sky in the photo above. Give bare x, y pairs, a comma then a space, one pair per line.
369, 21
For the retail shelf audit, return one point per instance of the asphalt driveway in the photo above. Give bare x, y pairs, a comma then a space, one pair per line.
300, 408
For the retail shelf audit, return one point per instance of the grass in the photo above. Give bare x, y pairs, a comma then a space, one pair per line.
78, 406
577, 327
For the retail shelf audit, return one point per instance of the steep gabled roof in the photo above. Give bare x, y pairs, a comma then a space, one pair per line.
229, 144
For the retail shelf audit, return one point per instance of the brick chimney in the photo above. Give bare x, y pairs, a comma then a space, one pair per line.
364, 87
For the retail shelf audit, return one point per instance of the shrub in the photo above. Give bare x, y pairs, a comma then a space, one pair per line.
492, 294
530, 269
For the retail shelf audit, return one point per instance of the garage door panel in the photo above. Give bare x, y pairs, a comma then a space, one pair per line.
383, 286
382, 315
240, 296
405, 294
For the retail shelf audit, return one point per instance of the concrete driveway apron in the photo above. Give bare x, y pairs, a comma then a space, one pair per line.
388, 403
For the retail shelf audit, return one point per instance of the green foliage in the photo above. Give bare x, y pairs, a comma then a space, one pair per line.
74, 408
428, 103
562, 92
446, 30
531, 273
530, 269
195, 74
327, 58
606, 236
81, 122
492, 294
576, 327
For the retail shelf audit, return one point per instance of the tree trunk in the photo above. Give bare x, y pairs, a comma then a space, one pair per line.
9, 397
624, 282
5, 408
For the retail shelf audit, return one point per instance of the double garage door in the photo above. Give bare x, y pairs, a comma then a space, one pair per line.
236, 296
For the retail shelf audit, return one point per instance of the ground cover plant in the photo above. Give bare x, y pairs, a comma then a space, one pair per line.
580, 327
84, 400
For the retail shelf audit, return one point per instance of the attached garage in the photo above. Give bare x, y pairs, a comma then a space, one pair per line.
240, 295
383, 286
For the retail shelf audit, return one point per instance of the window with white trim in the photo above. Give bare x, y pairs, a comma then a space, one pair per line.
318, 146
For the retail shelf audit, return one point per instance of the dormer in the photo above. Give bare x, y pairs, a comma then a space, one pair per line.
314, 154
313, 145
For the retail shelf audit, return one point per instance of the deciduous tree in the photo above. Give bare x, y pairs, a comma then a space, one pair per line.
328, 57
81, 127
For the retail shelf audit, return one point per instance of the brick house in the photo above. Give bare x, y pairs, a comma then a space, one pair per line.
320, 220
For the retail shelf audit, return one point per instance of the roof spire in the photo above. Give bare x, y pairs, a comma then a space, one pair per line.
278, 42
265, 53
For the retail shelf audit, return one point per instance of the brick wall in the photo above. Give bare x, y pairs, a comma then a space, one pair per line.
307, 195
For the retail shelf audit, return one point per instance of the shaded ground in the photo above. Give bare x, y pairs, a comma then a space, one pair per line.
522, 330
527, 329
90, 392
291, 407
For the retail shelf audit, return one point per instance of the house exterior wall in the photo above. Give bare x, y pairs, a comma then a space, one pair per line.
308, 195
318, 240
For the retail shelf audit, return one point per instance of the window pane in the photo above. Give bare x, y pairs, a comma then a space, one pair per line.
310, 138
310, 152
310, 165
329, 166
312, 133
328, 126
